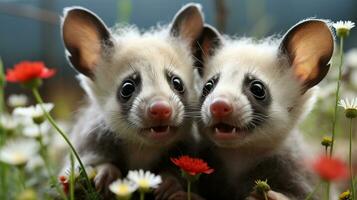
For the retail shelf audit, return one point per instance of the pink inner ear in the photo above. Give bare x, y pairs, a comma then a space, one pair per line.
304, 68
310, 47
188, 24
83, 35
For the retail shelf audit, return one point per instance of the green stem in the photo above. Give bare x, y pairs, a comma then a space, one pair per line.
328, 189
21, 170
44, 155
327, 195
142, 195
313, 192
64, 136
265, 196
2, 86
334, 121
337, 96
3, 166
71, 178
350, 162
1, 99
188, 190
4, 188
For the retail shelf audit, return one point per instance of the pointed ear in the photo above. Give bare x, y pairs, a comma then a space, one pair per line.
85, 36
188, 23
309, 46
208, 42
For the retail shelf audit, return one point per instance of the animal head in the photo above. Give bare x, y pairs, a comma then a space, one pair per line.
255, 92
139, 82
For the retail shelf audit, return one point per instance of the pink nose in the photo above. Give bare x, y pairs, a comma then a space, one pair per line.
221, 108
160, 110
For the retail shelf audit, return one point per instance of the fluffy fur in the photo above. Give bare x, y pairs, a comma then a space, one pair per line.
267, 145
117, 134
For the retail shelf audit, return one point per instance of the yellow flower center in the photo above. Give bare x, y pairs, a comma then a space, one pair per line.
123, 190
343, 32
143, 184
351, 113
19, 158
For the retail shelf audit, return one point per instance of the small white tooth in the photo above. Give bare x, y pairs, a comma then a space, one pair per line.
152, 130
234, 130
168, 129
216, 129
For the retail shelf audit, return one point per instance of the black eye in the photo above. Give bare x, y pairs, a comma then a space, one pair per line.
177, 84
208, 87
127, 89
257, 88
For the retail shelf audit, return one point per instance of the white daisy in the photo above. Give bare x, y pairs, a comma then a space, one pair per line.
18, 152
17, 100
91, 172
34, 131
144, 180
350, 107
35, 163
8, 123
34, 112
343, 27
123, 188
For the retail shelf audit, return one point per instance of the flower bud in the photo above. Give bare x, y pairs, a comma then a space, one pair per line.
38, 119
261, 187
345, 195
351, 113
326, 141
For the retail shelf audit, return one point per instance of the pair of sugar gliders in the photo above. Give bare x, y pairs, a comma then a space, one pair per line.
150, 94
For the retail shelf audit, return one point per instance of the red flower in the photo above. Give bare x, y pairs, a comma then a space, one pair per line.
330, 169
27, 71
64, 182
192, 166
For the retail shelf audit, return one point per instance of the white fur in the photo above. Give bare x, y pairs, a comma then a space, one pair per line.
260, 58
149, 53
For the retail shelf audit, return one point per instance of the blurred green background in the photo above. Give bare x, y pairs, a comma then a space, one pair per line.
30, 30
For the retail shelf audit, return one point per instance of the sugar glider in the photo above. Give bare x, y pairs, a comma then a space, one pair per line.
253, 96
139, 87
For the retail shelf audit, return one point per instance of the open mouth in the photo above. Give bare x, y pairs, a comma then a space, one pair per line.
160, 132
224, 128
226, 131
160, 129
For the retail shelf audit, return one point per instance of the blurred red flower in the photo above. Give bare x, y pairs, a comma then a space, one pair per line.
330, 169
192, 166
26, 71
64, 182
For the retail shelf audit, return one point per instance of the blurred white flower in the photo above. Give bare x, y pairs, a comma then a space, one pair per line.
351, 58
34, 163
18, 152
34, 112
8, 122
123, 188
144, 180
17, 100
91, 172
35, 131
343, 27
350, 107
